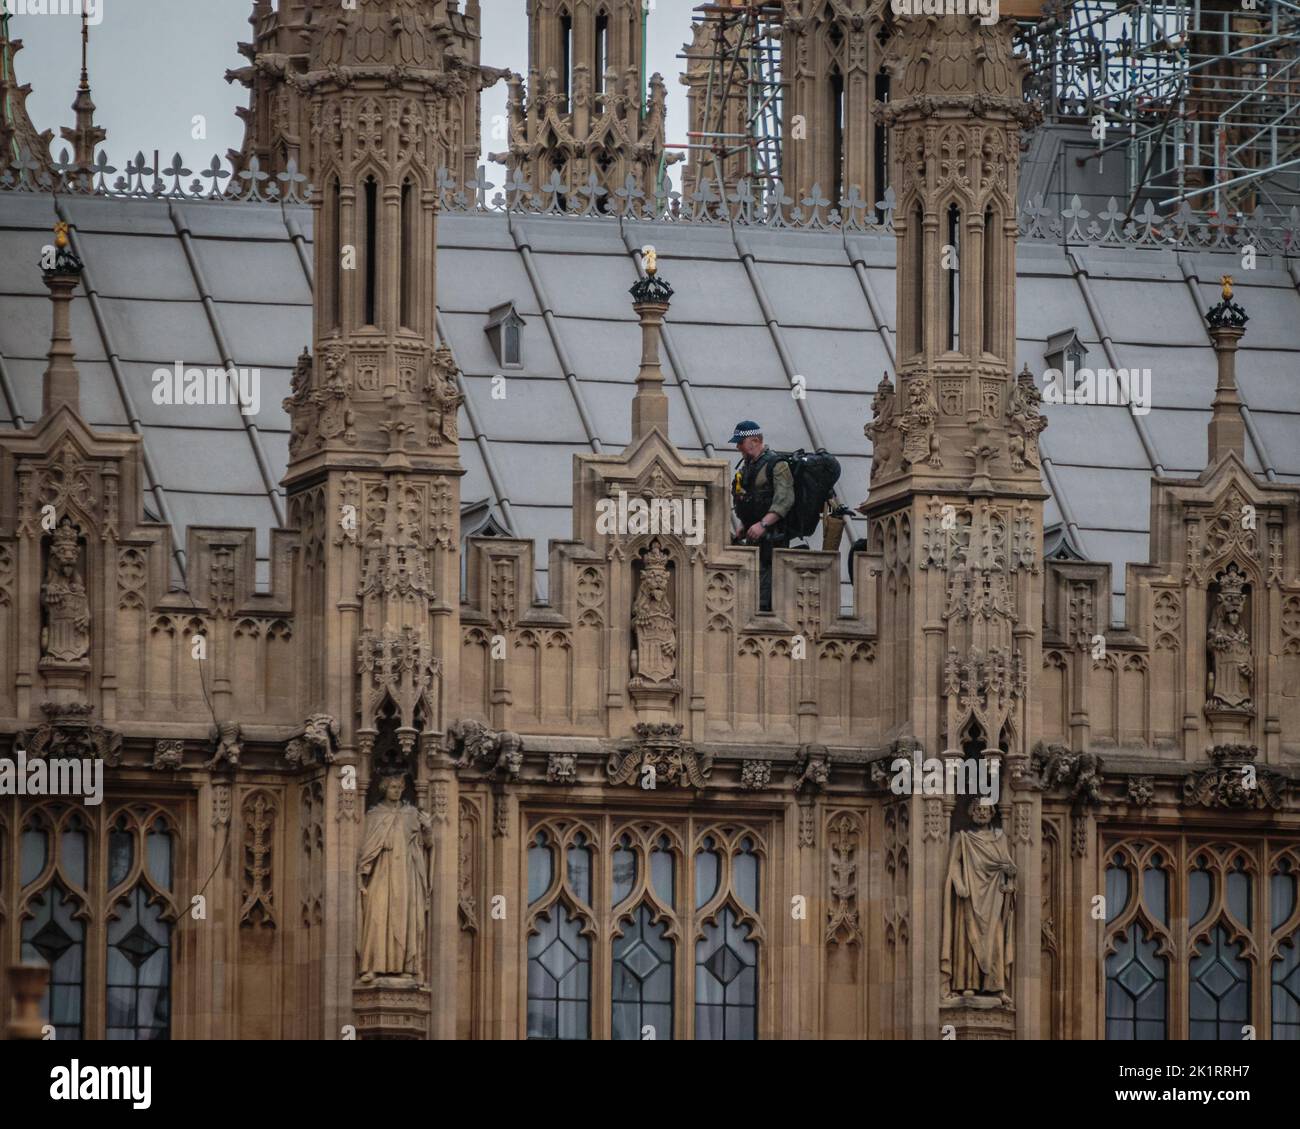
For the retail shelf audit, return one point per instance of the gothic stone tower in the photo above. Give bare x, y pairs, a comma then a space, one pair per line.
277, 122
955, 506
832, 62
583, 113
373, 478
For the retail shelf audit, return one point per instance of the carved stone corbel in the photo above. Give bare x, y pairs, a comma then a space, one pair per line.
1235, 781
658, 754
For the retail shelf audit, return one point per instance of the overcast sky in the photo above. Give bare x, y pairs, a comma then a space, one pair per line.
157, 64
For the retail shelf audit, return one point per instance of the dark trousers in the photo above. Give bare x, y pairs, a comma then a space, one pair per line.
765, 548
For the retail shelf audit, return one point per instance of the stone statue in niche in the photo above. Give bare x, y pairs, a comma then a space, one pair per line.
393, 886
655, 657
1232, 669
979, 897
65, 638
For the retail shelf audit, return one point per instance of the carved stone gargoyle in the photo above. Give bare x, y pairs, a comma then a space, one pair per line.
317, 742
472, 744
1055, 766
812, 768
223, 740
658, 755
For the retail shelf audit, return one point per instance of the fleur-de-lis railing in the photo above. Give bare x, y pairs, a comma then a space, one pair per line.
753, 203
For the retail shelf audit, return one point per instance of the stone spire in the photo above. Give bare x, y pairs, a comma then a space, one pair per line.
19, 140
61, 385
584, 113
955, 118
85, 134
373, 482
277, 122
835, 74
1227, 427
650, 296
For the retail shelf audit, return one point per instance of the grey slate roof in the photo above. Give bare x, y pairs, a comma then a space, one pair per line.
212, 282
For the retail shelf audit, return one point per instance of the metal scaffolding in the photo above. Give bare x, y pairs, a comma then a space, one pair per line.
735, 130
1201, 99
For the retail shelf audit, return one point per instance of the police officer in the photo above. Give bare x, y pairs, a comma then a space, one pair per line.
762, 493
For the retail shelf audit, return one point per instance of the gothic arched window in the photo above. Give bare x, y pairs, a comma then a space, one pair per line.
559, 942
139, 932
1219, 978
916, 234
1137, 975
371, 196
631, 936
407, 249
1283, 923
643, 964
726, 955
602, 55
992, 271
54, 860
951, 263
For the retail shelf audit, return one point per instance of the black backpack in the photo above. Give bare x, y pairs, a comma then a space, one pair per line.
815, 476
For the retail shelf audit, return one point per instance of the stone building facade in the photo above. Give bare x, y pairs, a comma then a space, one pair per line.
373, 797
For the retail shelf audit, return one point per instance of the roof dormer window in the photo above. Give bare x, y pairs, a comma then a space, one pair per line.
505, 330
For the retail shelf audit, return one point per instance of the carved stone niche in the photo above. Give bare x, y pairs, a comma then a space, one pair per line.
1230, 658
653, 660
65, 605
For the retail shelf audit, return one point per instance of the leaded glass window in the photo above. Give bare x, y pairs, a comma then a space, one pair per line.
1285, 995
560, 936
1136, 974
643, 928
96, 905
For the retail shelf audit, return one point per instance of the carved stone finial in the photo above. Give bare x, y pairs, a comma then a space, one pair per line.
1227, 313
65, 258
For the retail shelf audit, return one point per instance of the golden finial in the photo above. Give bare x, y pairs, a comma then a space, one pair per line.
651, 260
1227, 287
60, 234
